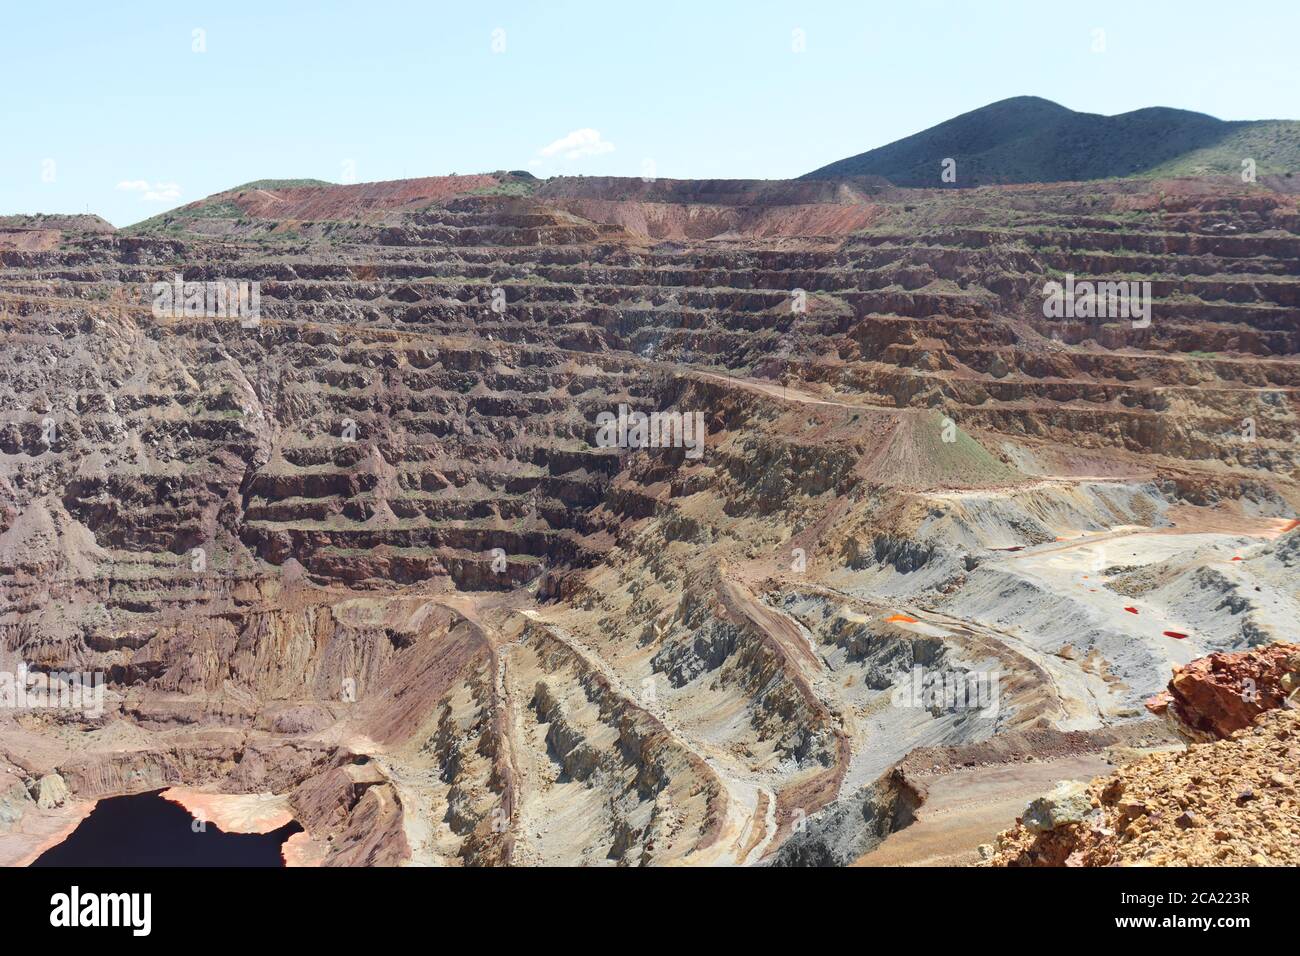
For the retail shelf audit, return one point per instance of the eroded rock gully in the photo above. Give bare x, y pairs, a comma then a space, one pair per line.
367, 552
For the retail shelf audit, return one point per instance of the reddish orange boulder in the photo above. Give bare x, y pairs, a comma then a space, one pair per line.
1214, 696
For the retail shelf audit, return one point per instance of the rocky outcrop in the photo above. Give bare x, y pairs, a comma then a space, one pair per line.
1215, 696
1229, 798
15, 801
355, 810
51, 792
1232, 802
1067, 804
843, 833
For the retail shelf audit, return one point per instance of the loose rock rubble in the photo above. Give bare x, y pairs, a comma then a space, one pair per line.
1229, 802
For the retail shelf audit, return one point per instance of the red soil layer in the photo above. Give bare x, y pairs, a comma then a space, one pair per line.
30, 240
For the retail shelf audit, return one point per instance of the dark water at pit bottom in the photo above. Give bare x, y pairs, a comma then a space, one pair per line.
146, 830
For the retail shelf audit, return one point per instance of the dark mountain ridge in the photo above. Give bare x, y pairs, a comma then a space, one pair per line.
1028, 139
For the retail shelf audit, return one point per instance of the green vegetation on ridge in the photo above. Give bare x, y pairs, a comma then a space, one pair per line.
1028, 139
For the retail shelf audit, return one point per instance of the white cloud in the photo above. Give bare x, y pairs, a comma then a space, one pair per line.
155, 192
579, 143
163, 192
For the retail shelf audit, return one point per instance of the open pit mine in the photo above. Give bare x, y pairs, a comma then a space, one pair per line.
489, 520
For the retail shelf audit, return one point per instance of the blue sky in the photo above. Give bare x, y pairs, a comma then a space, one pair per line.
113, 111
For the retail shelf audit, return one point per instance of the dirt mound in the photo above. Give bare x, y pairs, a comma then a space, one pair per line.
30, 240
65, 223
928, 450
347, 202
43, 233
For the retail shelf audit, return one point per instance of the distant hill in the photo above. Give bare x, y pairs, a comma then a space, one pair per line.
273, 200
1028, 139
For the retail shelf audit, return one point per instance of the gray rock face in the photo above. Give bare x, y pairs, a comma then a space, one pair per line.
14, 802
851, 826
1068, 803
